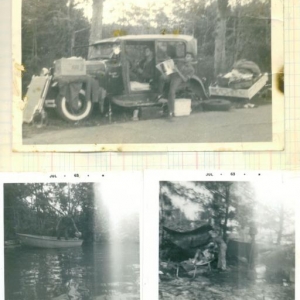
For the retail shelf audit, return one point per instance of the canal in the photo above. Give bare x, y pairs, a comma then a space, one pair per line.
102, 271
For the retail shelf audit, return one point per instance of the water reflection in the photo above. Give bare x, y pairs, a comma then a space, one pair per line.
87, 272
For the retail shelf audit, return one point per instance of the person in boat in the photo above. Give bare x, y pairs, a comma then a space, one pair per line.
66, 227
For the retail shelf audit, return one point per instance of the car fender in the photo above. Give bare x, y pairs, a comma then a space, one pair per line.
197, 86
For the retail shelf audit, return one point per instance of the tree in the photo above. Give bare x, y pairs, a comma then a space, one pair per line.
96, 26
220, 40
277, 222
188, 16
226, 205
249, 33
220, 203
47, 28
36, 207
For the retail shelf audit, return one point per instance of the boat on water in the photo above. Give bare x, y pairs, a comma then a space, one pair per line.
47, 241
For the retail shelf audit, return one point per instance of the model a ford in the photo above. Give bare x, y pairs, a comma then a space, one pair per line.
123, 71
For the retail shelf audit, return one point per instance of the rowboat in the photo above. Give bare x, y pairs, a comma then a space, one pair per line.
47, 241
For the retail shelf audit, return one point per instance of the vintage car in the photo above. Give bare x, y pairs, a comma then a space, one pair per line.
115, 75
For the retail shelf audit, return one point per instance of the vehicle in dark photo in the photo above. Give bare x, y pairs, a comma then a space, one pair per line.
130, 72
114, 75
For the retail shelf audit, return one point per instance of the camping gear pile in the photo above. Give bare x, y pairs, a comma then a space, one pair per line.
243, 75
188, 250
70, 66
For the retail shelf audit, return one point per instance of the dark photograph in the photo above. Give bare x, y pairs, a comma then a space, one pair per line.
226, 240
147, 72
71, 241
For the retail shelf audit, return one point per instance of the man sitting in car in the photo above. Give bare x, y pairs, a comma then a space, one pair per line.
145, 69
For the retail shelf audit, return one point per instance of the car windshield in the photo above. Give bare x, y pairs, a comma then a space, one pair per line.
170, 49
105, 50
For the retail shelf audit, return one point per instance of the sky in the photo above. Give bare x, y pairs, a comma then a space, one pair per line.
112, 9
272, 194
266, 193
189, 208
111, 14
121, 198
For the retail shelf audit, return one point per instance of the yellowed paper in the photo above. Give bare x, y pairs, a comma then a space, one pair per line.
201, 131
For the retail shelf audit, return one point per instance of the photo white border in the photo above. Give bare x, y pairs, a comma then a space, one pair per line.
151, 213
70, 177
277, 142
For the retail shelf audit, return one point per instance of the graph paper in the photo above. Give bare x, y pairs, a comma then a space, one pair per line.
60, 162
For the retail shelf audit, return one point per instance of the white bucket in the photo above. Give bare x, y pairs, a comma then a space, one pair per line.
182, 107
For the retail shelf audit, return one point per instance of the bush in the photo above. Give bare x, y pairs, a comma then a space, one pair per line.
280, 263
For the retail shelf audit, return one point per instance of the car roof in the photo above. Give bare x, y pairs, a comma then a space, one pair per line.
145, 37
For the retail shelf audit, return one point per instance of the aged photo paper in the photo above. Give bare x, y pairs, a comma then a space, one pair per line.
151, 235
221, 235
71, 236
185, 76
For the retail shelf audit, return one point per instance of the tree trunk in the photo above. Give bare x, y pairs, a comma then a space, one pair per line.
227, 201
96, 27
281, 216
220, 40
237, 37
162, 219
70, 26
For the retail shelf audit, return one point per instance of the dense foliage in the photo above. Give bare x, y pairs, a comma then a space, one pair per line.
58, 28
248, 29
35, 208
47, 31
231, 207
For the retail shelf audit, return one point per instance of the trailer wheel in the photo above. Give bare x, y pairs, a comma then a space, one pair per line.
216, 104
65, 110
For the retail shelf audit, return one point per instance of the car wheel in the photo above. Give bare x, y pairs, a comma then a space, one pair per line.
216, 104
65, 110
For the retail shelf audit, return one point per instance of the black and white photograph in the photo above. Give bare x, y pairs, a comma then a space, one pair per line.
96, 75
221, 235
226, 240
72, 240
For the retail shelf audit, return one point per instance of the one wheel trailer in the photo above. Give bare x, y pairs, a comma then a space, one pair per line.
221, 97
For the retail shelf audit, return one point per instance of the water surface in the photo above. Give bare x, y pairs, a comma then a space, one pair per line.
87, 272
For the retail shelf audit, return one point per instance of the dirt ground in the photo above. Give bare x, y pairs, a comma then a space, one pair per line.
232, 284
236, 125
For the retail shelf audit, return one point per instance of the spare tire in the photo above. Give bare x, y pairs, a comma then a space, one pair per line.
216, 104
65, 110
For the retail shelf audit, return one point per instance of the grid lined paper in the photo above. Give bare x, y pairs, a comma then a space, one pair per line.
90, 162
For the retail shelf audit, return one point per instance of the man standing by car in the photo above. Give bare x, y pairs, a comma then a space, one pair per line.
184, 71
